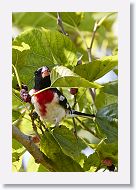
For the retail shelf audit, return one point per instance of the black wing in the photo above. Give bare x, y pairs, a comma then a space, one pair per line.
62, 99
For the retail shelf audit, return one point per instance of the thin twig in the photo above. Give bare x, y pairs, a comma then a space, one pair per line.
92, 93
42, 125
89, 49
17, 76
27, 142
75, 130
75, 101
33, 123
59, 22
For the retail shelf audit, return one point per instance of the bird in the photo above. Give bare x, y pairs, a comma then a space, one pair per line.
50, 104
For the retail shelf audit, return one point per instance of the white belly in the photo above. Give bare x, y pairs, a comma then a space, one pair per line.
54, 112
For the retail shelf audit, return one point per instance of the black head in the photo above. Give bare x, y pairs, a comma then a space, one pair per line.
42, 78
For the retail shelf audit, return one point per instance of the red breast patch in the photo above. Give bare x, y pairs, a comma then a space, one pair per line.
44, 98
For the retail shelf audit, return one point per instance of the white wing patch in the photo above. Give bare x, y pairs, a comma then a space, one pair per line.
67, 105
61, 98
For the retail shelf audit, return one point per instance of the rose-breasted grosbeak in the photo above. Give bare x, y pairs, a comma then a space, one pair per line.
51, 105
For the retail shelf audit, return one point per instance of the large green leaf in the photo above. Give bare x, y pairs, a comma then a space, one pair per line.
64, 77
51, 148
46, 48
107, 120
110, 88
45, 19
103, 99
34, 19
107, 95
97, 68
70, 145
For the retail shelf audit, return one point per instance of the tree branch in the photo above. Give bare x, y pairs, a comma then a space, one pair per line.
27, 142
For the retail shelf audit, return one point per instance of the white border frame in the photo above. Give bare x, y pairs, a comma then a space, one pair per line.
123, 9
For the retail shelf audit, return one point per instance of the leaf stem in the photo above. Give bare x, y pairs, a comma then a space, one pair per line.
75, 101
17, 76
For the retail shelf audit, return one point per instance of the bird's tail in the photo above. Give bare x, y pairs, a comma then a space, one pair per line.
74, 113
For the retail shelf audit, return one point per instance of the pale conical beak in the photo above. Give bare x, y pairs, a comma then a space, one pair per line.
45, 72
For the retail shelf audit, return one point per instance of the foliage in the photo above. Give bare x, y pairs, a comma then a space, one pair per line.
41, 42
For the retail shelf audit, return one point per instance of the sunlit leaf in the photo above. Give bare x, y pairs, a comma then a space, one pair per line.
46, 48
51, 148
107, 120
70, 145
107, 95
45, 19
64, 77
97, 68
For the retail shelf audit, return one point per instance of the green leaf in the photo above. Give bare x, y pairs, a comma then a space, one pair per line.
103, 99
16, 101
45, 19
25, 124
107, 120
69, 144
64, 77
110, 88
83, 100
97, 68
17, 146
107, 95
16, 165
15, 115
17, 152
87, 18
108, 151
116, 71
34, 19
62, 162
71, 18
46, 48
92, 162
